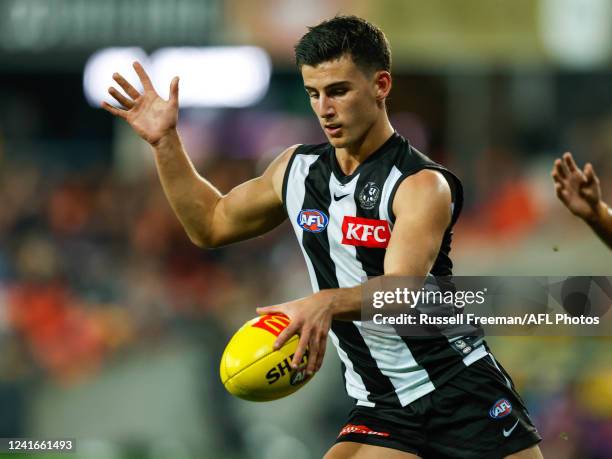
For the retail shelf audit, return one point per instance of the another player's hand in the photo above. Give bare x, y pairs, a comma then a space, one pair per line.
578, 189
149, 115
311, 319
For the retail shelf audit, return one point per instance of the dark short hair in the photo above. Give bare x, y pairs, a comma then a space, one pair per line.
331, 39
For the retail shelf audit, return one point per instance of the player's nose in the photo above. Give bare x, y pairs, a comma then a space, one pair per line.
325, 108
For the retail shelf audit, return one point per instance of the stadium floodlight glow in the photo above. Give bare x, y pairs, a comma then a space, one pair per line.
577, 33
99, 69
222, 76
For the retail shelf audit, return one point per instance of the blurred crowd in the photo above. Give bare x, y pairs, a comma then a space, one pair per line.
89, 262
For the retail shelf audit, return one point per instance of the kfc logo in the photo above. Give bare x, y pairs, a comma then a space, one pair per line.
366, 232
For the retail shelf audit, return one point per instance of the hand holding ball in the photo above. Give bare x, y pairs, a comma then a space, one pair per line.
250, 367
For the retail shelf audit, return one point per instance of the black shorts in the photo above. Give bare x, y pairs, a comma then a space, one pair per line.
476, 415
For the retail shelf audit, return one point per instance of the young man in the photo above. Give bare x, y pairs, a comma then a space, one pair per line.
580, 192
364, 204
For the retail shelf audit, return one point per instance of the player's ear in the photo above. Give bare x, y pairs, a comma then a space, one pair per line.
383, 84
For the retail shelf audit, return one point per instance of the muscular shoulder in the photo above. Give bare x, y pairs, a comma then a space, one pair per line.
425, 191
275, 172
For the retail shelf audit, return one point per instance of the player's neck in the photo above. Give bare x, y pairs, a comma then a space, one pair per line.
351, 157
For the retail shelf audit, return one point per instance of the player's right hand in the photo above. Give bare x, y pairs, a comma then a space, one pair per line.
149, 115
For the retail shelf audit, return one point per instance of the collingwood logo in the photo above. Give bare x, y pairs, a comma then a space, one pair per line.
369, 196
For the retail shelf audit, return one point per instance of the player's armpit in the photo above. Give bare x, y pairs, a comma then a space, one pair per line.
422, 208
252, 208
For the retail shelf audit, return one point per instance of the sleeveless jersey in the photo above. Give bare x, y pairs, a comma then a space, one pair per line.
343, 224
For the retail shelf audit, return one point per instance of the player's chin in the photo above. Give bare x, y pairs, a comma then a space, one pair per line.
338, 142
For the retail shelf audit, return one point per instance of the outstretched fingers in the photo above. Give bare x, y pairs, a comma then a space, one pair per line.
558, 173
174, 90
127, 103
114, 110
575, 174
126, 86
143, 76
569, 162
589, 174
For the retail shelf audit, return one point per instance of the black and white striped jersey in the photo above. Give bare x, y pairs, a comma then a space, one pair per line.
343, 224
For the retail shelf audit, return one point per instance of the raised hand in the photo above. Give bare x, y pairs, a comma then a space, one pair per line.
149, 115
578, 189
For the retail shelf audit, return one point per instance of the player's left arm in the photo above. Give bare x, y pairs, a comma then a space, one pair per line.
422, 206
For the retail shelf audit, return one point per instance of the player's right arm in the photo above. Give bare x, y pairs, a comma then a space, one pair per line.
209, 218
580, 191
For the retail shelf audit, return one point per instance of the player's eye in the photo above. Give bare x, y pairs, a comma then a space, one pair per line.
313, 95
338, 92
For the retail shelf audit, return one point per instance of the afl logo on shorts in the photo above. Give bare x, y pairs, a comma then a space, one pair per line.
500, 409
312, 220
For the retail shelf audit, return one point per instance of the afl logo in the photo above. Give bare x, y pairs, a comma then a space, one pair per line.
369, 196
298, 377
500, 409
312, 220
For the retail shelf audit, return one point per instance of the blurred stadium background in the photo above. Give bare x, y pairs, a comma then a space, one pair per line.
112, 323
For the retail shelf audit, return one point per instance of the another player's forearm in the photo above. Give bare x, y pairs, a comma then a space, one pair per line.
192, 198
601, 223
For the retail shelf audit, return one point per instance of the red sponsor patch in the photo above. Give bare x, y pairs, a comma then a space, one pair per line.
366, 232
273, 323
360, 429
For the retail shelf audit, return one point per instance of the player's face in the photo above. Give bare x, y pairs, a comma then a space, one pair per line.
344, 98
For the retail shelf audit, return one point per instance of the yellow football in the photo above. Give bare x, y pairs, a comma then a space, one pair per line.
250, 367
